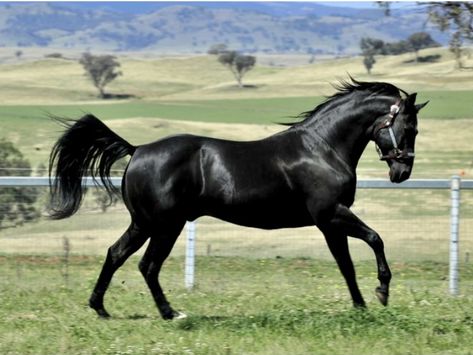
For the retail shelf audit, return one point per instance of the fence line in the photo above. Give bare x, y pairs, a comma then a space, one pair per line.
428, 184
455, 185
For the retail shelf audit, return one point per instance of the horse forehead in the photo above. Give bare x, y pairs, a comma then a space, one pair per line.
411, 119
408, 115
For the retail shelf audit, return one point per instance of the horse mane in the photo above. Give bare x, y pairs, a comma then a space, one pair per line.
344, 88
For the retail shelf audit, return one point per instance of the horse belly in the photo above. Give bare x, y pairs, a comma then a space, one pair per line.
265, 214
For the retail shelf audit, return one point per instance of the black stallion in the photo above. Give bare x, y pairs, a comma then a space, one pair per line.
303, 176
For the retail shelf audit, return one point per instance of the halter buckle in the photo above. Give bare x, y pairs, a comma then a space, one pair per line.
394, 110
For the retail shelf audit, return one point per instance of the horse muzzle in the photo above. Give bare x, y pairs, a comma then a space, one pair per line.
399, 172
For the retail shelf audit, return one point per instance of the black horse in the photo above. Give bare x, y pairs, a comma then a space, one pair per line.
305, 175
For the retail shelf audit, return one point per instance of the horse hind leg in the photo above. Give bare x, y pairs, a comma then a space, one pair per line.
159, 248
118, 253
338, 245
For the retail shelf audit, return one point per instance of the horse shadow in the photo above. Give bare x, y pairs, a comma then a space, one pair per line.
189, 323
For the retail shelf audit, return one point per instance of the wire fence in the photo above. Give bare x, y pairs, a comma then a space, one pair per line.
414, 224
414, 220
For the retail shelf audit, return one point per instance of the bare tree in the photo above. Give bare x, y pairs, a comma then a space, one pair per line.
101, 69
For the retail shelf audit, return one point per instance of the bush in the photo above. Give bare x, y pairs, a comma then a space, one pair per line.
17, 204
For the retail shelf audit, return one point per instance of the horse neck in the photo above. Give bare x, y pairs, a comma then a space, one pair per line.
346, 128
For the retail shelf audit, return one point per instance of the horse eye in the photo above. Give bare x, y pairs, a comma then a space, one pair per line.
411, 130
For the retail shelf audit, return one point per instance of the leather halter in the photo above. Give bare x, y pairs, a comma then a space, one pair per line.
395, 153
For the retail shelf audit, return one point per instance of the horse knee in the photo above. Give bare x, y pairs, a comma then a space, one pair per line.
375, 241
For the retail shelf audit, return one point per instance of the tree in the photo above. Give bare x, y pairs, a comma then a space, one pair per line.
17, 204
101, 70
455, 17
368, 62
217, 49
238, 64
421, 40
369, 48
385, 6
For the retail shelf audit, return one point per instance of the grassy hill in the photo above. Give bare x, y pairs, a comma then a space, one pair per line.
55, 81
168, 91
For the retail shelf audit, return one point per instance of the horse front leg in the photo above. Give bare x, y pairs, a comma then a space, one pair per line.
347, 222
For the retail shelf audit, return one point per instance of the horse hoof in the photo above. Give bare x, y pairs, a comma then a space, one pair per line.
179, 315
102, 313
360, 306
382, 296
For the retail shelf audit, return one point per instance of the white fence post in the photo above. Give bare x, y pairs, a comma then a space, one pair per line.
190, 255
454, 233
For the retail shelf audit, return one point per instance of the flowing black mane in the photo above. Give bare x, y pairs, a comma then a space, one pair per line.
347, 87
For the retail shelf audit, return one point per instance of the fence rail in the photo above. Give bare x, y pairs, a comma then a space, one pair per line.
426, 184
454, 185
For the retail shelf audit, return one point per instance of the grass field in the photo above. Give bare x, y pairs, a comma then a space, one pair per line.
205, 101
443, 144
258, 292
170, 92
308, 311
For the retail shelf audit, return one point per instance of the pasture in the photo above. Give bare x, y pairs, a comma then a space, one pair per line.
258, 292
257, 306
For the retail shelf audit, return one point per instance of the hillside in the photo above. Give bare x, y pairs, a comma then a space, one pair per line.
58, 81
193, 27
201, 92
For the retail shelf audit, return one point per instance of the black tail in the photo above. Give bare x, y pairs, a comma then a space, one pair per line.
87, 148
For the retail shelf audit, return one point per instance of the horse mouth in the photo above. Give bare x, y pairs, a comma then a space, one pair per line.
399, 175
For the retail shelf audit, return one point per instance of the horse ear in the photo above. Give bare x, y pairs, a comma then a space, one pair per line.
420, 106
411, 99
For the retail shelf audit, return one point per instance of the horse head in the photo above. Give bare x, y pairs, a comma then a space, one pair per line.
395, 137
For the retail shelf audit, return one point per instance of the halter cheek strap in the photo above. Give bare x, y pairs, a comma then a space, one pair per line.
395, 153
388, 122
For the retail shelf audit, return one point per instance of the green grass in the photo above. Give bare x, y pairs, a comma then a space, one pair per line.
257, 110
29, 127
240, 306
446, 104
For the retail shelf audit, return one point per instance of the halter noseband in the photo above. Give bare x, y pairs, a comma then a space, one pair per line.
395, 153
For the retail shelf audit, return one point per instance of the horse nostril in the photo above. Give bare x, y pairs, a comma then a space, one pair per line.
404, 175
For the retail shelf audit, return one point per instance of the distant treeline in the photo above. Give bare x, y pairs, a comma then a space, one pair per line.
415, 42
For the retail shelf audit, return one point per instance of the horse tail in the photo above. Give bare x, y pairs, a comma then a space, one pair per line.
87, 147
